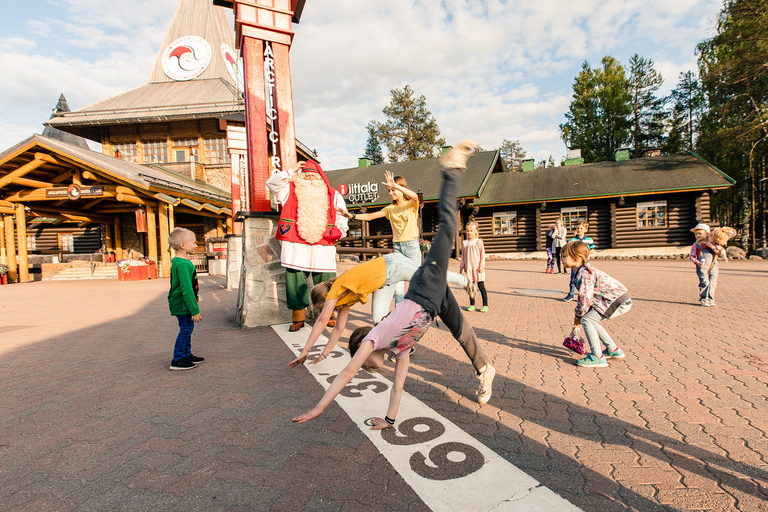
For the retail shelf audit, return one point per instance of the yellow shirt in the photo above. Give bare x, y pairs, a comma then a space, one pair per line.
360, 281
404, 220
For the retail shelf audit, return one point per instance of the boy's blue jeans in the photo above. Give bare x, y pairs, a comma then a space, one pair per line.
183, 346
707, 276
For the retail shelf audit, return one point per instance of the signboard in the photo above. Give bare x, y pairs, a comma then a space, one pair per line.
572, 209
270, 80
651, 204
186, 58
357, 193
75, 192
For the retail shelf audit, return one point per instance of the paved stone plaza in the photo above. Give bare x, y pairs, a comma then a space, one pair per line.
92, 419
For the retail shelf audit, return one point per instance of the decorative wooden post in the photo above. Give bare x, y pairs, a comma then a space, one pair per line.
118, 239
165, 253
152, 234
10, 248
263, 33
21, 238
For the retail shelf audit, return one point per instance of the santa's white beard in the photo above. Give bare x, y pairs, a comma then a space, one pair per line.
312, 211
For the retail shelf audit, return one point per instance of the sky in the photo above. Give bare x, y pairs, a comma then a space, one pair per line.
490, 70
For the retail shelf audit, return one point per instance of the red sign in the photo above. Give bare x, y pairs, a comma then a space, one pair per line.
141, 221
343, 189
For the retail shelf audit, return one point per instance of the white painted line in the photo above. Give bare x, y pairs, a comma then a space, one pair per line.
445, 466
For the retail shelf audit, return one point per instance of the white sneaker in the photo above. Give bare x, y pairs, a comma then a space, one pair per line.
486, 384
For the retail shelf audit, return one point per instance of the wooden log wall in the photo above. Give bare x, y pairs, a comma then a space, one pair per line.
87, 240
524, 240
681, 217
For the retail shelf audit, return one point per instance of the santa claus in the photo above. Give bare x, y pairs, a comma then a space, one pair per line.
308, 229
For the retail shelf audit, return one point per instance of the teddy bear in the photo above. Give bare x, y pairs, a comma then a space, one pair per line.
718, 239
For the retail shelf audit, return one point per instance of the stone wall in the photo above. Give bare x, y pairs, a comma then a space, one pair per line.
261, 294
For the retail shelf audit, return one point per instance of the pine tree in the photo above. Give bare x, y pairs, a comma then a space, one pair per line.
512, 155
648, 110
373, 146
687, 107
598, 119
734, 130
410, 132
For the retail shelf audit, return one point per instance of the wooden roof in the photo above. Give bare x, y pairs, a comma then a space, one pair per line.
421, 175
203, 19
155, 102
639, 176
39, 163
55, 133
485, 183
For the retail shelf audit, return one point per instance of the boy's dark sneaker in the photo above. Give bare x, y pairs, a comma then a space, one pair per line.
195, 359
182, 364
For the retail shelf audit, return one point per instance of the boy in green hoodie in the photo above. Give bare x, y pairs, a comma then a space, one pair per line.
183, 297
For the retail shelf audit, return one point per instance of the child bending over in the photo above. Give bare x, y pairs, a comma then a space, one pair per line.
427, 297
600, 297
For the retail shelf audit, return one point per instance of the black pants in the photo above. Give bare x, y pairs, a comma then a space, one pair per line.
428, 286
483, 294
557, 250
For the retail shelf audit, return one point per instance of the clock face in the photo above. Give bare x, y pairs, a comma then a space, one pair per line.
234, 65
186, 58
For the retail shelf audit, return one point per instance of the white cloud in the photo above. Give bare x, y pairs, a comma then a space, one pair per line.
489, 69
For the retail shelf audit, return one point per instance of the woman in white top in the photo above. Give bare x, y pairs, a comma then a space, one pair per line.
560, 235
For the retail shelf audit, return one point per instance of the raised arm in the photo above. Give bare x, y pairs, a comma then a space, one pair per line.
389, 181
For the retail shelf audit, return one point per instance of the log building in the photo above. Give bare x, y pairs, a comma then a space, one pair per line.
652, 201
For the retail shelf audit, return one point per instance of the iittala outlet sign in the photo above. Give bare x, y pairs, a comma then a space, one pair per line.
357, 193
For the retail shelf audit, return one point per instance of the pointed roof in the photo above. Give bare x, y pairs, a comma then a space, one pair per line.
204, 85
202, 19
55, 133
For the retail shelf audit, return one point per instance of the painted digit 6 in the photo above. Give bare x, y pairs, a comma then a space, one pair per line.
409, 434
447, 469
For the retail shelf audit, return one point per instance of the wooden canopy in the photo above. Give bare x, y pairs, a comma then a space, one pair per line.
47, 178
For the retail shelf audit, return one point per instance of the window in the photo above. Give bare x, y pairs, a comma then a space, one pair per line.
155, 152
504, 223
31, 243
126, 151
572, 216
67, 242
216, 151
652, 214
185, 150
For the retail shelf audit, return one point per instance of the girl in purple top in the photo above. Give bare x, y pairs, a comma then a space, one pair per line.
600, 297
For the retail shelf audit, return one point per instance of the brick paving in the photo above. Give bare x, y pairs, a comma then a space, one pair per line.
91, 418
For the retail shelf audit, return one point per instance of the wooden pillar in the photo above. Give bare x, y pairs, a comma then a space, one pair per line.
152, 233
109, 236
219, 228
171, 227
229, 225
21, 237
118, 239
165, 248
3, 253
10, 248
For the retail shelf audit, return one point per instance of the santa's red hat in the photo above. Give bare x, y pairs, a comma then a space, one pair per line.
310, 166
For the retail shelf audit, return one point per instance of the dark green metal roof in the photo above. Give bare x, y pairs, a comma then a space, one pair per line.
421, 175
637, 176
